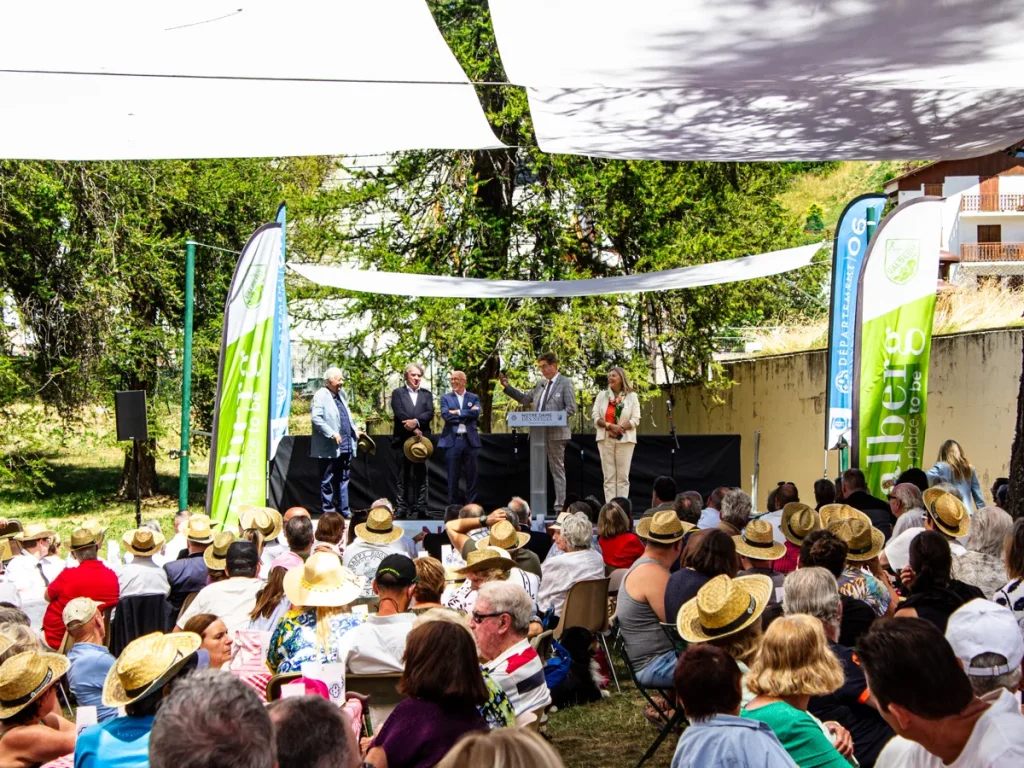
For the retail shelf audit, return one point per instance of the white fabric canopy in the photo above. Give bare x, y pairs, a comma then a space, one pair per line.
402, 284
127, 79
768, 79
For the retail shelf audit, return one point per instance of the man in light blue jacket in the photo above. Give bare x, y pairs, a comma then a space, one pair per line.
334, 442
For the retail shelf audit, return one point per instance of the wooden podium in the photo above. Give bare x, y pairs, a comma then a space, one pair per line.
538, 422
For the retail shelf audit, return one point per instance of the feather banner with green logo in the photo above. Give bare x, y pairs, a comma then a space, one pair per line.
238, 456
895, 309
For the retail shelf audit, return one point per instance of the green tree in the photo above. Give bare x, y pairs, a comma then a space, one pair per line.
815, 222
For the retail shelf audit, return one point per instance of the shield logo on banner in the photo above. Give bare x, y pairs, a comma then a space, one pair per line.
253, 292
901, 259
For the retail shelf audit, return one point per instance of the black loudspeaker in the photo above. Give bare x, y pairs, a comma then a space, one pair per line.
130, 409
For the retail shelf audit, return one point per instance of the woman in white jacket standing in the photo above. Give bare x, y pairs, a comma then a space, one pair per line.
616, 414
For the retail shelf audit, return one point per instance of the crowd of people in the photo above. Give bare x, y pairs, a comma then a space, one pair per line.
854, 631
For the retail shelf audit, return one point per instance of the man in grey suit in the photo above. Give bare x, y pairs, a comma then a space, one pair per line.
334, 442
552, 393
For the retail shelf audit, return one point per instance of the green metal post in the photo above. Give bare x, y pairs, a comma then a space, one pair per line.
186, 373
872, 225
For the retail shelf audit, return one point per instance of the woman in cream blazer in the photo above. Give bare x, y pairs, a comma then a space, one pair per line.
616, 436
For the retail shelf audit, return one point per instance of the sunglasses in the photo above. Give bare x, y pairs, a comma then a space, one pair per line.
479, 617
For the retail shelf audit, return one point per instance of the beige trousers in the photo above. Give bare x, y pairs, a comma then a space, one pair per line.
616, 457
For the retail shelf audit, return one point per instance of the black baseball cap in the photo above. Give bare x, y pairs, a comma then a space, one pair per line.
396, 571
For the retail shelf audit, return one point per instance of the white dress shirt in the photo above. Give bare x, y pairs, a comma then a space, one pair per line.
544, 395
231, 601
558, 576
377, 645
24, 571
461, 398
413, 395
143, 576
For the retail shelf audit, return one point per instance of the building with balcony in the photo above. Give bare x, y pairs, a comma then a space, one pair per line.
984, 233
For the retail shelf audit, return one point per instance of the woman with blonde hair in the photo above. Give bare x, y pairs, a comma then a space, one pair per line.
793, 664
506, 748
953, 467
616, 414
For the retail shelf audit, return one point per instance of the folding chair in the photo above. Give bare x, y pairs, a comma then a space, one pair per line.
382, 691
274, 686
672, 633
586, 606
63, 687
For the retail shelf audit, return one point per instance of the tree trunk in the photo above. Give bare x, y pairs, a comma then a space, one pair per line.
486, 376
1015, 497
147, 471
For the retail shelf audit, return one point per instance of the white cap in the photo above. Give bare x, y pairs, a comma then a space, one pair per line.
982, 626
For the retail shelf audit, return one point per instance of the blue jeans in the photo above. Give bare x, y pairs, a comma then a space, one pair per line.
334, 475
658, 672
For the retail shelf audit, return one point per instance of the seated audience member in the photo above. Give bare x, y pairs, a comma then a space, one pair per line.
688, 506
840, 491
663, 495
375, 539
758, 551
442, 692
1011, 594
824, 493
90, 659
271, 604
793, 665
855, 489
429, 585
268, 523
986, 639
982, 565
711, 515
626, 506
330, 530
863, 577
298, 533
314, 628
814, 591
577, 508
926, 697
778, 500
620, 548
90, 579
707, 684
142, 576
212, 720
579, 563
506, 536
945, 513
934, 593
34, 730
139, 680
216, 640
796, 522
736, 507
310, 732
1002, 495
916, 477
31, 569
408, 545
826, 550
640, 607
907, 507
540, 541
377, 645
233, 599
500, 622
18, 638
188, 574
8, 589
468, 533
483, 566
178, 545
254, 537
707, 554
509, 748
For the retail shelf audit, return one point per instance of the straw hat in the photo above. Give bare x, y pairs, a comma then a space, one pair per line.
418, 449
142, 541
379, 527
322, 581
486, 558
365, 444
757, 541
949, 514
34, 531
723, 607
146, 664
25, 677
931, 494
663, 527
198, 529
830, 512
266, 520
6, 554
798, 521
216, 554
506, 537
863, 540
82, 538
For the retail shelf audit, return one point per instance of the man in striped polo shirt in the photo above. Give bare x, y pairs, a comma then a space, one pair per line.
500, 622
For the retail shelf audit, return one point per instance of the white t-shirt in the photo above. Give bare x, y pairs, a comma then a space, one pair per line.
558, 576
377, 645
364, 558
142, 576
231, 601
996, 742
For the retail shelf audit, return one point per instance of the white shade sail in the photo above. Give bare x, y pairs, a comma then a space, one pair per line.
207, 78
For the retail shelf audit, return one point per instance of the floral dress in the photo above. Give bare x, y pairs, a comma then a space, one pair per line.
861, 585
295, 642
497, 710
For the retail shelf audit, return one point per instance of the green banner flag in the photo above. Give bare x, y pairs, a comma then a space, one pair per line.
895, 309
238, 456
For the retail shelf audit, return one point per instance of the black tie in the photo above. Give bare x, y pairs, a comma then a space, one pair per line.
46, 581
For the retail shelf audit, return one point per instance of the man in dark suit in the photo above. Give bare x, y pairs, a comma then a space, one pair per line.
857, 496
187, 574
413, 407
460, 439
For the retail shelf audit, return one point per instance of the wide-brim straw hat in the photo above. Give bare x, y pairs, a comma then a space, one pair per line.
216, 555
143, 542
27, 676
949, 514
723, 607
757, 541
322, 581
862, 540
365, 443
379, 527
486, 558
662, 527
831, 512
504, 536
418, 449
6, 553
266, 520
799, 521
34, 531
146, 664
81, 538
198, 529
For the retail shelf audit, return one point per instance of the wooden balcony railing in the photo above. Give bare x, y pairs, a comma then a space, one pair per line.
991, 252
992, 203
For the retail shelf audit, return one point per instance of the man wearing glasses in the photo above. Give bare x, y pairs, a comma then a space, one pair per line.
500, 622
